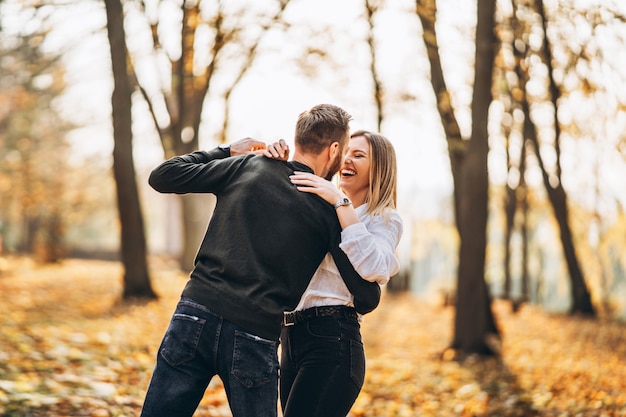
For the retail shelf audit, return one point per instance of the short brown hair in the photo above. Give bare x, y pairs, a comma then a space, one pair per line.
320, 126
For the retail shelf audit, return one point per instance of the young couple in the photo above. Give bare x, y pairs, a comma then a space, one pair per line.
272, 246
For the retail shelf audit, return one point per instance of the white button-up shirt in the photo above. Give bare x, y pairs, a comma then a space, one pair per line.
370, 246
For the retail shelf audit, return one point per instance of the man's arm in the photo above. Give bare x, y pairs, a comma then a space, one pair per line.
195, 172
366, 294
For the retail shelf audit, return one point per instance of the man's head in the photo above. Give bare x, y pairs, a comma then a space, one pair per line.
323, 130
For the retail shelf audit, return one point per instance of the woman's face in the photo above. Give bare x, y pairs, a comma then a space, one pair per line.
354, 174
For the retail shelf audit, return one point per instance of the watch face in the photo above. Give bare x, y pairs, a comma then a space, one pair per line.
343, 202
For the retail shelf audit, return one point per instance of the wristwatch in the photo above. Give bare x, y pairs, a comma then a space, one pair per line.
344, 201
224, 147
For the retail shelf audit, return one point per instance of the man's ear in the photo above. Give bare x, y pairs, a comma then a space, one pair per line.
333, 150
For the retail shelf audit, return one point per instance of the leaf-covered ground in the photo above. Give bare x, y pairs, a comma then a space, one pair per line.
69, 348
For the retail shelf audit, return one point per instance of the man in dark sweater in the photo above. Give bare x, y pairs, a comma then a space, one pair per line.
262, 246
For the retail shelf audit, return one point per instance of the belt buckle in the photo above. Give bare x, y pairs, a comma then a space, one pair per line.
289, 318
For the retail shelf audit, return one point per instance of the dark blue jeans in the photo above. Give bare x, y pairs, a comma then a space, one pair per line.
199, 345
322, 367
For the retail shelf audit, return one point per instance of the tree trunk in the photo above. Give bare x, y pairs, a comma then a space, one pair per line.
509, 212
581, 300
523, 190
197, 210
474, 322
133, 244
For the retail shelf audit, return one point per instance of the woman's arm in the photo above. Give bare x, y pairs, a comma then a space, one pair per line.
372, 249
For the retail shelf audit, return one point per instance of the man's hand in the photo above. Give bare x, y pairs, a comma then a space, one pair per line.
277, 150
245, 146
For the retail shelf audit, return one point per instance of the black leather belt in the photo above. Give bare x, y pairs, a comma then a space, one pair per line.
294, 317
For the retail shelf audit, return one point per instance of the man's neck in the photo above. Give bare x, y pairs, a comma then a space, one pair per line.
309, 160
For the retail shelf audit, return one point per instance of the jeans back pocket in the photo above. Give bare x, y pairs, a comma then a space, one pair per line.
255, 360
181, 338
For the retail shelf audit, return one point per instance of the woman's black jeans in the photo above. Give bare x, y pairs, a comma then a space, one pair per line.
322, 365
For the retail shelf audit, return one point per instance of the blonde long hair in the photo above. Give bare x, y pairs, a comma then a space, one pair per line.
382, 192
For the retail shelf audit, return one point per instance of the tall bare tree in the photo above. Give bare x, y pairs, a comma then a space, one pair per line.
581, 299
427, 13
516, 192
33, 148
510, 193
474, 323
234, 34
133, 243
371, 7
552, 179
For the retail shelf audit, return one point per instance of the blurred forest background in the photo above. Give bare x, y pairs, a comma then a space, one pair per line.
508, 117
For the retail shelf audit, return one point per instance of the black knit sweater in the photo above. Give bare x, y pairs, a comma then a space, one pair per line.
264, 241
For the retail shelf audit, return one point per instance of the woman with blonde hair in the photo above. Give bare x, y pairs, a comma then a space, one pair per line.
322, 354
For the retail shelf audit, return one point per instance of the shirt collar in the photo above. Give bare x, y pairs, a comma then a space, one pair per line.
360, 210
298, 166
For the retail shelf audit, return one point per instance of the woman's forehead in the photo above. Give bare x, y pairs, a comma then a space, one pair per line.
358, 143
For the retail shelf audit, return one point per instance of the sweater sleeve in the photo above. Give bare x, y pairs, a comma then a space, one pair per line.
366, 294
196, 172
371, 249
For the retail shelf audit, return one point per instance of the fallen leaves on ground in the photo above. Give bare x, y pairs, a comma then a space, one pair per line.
551, 365
69, 347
